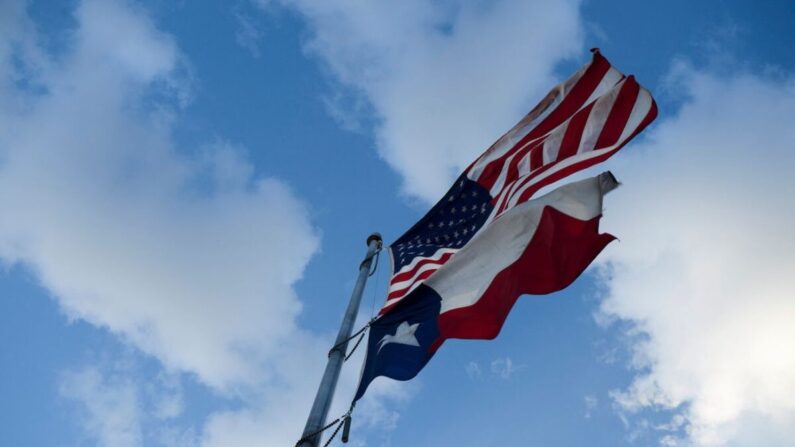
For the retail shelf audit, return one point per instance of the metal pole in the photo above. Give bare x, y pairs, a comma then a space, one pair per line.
325, 392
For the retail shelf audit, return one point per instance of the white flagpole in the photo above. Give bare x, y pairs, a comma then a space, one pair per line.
328, 384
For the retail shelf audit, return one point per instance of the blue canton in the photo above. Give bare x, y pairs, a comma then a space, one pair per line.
451, 223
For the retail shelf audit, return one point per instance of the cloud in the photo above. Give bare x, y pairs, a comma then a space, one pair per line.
167, 396
444, 78
504, 368
119, 404
703, 273
473, 370
109, 407
182, 252
591, 403
287, 403
247, 34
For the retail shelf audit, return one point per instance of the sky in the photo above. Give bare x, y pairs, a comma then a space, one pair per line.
186, 189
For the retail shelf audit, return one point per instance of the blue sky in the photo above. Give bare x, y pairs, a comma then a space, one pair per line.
186, 188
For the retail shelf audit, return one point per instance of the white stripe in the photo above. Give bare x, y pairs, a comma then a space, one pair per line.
596, 120
397, 286
507, 141
552, 143
609, 80
639, 111
523, 167
555, 136
403, 284
514, 186
435, 256
394, 300
504, 194
560, 165
503, 175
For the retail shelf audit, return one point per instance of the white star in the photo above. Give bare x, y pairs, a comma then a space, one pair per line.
404, 335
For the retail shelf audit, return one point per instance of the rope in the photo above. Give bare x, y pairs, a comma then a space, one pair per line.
375, 264
375, 288
343, 342
329, 425
340, 421
336, 430
358, 342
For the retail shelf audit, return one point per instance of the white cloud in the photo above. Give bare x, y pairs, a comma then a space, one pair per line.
119, 405
703, 272
167, 396
504, 368
182, 252
591, 403
109, 406
444, 78
189, 257
247, 35
286, 403
473, 370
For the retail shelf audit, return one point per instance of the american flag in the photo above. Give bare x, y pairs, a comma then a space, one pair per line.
581, 122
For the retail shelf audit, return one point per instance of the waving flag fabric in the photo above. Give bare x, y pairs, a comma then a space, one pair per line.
580, 122
458, 271
537, 247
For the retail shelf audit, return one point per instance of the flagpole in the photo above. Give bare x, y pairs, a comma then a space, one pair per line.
328, 384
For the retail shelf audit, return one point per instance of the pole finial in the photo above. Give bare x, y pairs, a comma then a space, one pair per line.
374, 237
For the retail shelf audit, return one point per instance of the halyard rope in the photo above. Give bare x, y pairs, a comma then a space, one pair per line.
337, 421
354, 335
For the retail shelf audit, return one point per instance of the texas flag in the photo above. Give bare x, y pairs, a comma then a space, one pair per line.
459, 270
537, 248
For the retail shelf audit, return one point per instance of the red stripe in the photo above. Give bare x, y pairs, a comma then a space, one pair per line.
573, 136
561, 249
581, 91
535, 173
575, 99
568, 147
405, 276
535, 150
536, 158
619, 114
650, 116
420, 277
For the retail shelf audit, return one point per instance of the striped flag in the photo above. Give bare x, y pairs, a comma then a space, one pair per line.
458, 271
581, 122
